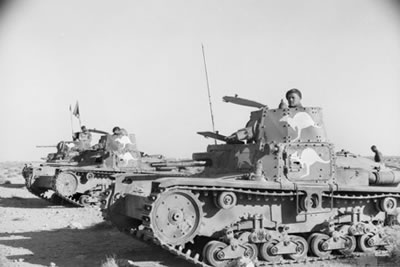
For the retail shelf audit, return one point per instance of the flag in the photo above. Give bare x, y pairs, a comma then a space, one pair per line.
76, 110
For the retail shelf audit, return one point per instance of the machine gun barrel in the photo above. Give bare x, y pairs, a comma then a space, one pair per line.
243, 101
46, 146
97, 131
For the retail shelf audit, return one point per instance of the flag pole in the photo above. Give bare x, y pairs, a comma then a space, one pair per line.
78, 115
80, 123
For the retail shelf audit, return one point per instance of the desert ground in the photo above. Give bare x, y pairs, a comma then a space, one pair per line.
34, 232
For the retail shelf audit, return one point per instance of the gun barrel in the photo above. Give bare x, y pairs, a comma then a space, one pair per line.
178, 164
45, 146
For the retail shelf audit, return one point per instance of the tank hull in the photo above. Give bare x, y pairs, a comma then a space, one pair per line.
80, 186
263, 212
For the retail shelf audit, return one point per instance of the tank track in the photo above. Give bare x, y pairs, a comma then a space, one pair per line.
55, 197
145, 231
194, 258
47, 194
98, 174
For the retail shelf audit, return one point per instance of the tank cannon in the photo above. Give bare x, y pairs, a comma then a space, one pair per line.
279, 194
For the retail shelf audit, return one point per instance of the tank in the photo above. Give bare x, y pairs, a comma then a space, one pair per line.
273, 192
78, 173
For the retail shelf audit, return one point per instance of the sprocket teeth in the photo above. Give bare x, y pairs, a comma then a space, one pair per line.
196, 257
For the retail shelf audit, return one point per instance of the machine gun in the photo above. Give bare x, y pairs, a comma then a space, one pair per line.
97, 131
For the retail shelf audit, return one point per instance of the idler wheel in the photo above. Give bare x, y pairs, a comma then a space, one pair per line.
268, 253
316, 245
350, 243
301, 248
363, 244
251, 251
213, 254
226, 200
84, 200
66, 184
176, 217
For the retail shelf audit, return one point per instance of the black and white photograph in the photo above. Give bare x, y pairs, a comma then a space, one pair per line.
211, 133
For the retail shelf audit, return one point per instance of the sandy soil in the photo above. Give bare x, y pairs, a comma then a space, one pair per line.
34, 232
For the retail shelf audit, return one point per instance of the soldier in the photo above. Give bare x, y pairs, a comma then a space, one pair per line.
85, 135
293, 96
116, 131
378, 155
84, 139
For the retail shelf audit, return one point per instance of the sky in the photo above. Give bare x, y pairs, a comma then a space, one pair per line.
139, 65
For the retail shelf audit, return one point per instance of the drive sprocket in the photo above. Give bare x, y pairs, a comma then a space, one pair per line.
176, 217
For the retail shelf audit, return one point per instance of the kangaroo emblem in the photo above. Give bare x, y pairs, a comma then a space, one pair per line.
242, 160
300, 121
307, 158
125, 158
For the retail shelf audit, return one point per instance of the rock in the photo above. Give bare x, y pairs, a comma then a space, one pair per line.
75, 225
52, 264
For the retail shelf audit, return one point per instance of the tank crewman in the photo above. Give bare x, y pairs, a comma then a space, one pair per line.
116, 131
378, 155
85, 135
84, 138
293, 96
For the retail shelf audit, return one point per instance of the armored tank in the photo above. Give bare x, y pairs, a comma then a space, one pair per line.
273, 192
79, 175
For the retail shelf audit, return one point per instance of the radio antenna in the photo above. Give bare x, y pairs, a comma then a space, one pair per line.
208, 90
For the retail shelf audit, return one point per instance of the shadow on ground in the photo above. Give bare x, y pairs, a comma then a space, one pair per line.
28, 203
87, 247
9, 185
